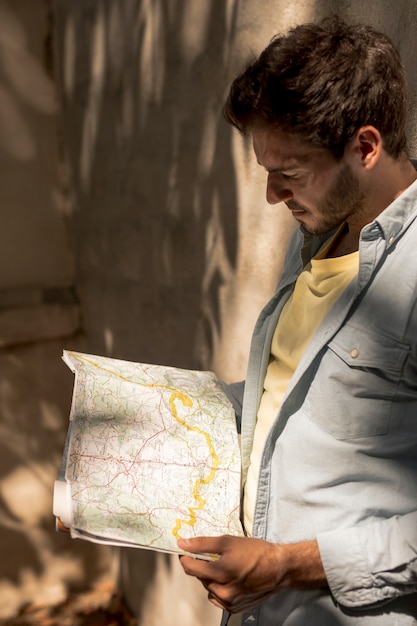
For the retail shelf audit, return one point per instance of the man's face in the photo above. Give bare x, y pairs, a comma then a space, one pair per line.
320, 191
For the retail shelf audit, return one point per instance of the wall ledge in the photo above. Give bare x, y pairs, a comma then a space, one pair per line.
30, 324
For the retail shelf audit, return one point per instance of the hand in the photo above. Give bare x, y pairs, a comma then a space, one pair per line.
245, 572
248, 570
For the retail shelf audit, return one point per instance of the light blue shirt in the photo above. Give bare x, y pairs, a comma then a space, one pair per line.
340, 462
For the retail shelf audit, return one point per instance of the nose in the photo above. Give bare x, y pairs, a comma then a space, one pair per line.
277, 189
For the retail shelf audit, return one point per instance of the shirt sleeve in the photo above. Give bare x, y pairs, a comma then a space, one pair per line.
374, 563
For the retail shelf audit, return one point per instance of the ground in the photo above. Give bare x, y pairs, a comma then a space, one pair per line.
100, 606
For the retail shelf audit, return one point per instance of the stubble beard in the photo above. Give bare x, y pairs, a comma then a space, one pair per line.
344, 199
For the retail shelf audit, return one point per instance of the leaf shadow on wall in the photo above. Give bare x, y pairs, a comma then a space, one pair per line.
152, 171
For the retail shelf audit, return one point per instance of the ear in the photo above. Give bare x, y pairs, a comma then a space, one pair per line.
367, 146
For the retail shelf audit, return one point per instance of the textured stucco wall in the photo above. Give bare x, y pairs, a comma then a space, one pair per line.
176, 247
162, 214
226, 314
39, 316
123, 180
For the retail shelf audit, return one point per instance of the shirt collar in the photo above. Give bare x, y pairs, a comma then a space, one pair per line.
391, 222
396, 218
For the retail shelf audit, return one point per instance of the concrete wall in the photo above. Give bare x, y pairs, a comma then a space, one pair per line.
156, 192
136, 227
39, 316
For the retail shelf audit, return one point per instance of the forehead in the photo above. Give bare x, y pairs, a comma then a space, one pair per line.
278, 149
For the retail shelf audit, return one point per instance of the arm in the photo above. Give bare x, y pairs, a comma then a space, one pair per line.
363, 566
371, 563
248, 570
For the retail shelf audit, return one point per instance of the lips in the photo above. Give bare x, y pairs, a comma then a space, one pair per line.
295, 208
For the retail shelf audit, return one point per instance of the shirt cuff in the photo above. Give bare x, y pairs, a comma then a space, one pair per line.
344, 557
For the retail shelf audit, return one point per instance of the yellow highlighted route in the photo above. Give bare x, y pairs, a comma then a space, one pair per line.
186, 401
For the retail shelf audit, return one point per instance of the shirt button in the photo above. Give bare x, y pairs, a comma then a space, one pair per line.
390, 241
354, 353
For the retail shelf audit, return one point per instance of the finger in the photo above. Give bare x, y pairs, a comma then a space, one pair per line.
230, 606
214, 600
197, 567
205, 583
201, 545
244, 603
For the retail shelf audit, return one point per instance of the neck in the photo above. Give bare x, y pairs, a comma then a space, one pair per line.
345, 243
386, 184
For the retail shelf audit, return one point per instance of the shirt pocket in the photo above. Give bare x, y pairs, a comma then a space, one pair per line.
356, 383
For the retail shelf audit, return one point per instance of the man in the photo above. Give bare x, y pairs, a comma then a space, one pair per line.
329, 422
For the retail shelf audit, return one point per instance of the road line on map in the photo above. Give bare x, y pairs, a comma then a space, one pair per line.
186, 400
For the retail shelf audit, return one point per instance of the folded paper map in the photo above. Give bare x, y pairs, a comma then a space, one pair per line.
151, 455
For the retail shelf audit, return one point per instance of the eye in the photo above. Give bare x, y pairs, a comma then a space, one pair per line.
290, 176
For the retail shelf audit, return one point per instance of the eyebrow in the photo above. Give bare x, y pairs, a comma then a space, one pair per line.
273, 170
285, 168
295, 163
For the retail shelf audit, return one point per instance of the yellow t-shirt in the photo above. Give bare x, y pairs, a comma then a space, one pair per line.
316, 290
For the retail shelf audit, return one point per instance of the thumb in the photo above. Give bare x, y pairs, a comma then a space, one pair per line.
201, 545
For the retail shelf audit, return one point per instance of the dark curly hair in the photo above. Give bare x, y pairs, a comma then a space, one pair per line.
322, 82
